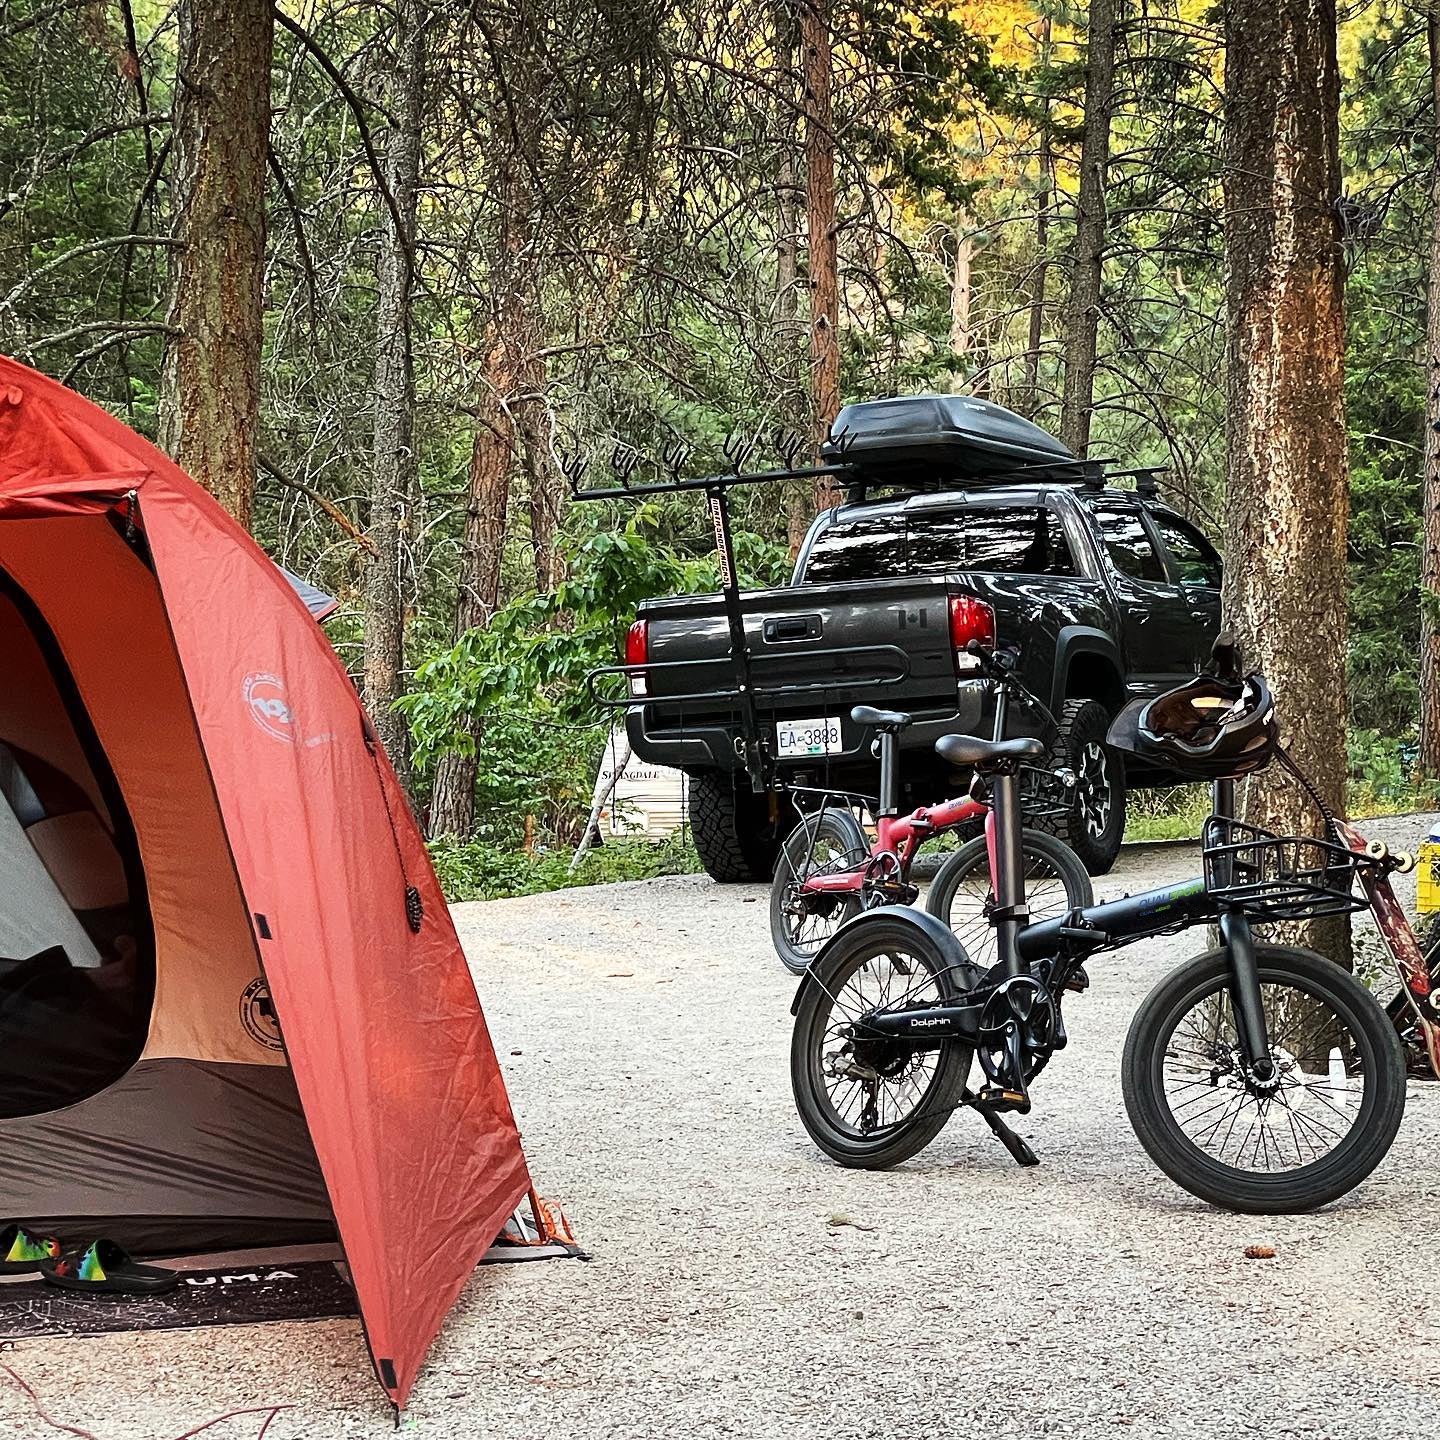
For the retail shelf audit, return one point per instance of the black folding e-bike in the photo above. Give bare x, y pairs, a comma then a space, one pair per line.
1259, 1077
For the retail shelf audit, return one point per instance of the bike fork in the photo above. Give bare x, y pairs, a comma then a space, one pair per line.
1245, 994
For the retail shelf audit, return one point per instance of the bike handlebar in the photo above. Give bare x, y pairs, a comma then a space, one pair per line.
1007, 679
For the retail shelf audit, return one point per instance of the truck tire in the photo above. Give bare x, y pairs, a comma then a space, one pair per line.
735, 835
1095, 823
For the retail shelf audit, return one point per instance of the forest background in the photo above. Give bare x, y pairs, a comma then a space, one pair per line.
371, 272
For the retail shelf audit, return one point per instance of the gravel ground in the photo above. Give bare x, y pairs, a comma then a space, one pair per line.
644, 1030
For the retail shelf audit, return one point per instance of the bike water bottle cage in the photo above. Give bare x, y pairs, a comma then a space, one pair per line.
1208, 728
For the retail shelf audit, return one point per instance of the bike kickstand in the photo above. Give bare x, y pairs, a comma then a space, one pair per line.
1020, 1151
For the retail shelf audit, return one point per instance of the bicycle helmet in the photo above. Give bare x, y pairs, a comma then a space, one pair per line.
1208, 728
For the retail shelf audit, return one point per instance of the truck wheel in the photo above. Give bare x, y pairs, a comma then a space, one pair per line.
1095, 822
735, 835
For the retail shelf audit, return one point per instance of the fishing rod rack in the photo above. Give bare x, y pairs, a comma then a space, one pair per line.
874, 664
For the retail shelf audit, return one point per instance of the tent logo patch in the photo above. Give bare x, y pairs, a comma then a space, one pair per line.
269, 709
257, 1015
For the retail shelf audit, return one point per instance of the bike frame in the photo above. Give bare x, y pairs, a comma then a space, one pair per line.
1418, 996
901, 836
1071, 939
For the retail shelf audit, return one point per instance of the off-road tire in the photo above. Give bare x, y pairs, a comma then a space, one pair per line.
1083, 726
735, 836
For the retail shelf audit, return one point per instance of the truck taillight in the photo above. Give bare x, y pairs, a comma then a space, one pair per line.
970, 619
637, 652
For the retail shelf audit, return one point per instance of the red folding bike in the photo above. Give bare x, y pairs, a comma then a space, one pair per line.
829, 871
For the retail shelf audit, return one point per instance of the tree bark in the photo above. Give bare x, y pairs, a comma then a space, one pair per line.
789, 328
392, 476
1082, 322
1430, 487
542, 474
817, 78
962, 287
1288, 498
210, 381
492, 453
1030, 383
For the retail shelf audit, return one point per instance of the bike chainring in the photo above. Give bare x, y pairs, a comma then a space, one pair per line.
1020, 1028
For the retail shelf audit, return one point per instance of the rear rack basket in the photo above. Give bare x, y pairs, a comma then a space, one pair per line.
1278, 877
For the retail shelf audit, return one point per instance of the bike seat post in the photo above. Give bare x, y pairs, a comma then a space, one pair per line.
1009, 881
889, 743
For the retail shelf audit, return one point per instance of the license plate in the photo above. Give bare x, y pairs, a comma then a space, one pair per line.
797, 738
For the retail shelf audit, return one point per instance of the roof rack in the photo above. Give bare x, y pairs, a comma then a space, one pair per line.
1092, 475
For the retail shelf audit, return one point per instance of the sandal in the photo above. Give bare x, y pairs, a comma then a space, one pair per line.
21, 1252
104, 1266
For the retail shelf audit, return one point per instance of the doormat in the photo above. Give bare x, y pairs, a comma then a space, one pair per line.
229, 1295
234, 1287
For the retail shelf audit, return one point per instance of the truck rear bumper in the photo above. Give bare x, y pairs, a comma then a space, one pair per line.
712, 747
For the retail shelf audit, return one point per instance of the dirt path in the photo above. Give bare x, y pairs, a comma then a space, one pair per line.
644, 1031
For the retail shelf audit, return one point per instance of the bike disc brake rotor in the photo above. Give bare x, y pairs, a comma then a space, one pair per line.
1284, 1121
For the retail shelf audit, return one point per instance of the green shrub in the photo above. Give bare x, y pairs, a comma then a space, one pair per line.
481, 870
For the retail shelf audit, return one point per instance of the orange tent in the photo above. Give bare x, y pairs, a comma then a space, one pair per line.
242, 1014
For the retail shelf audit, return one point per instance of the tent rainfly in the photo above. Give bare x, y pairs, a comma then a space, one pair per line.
233, 1008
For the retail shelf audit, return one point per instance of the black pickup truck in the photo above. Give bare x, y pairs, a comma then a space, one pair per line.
962, 521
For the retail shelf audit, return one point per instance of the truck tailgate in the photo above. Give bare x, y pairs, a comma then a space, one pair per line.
804, 636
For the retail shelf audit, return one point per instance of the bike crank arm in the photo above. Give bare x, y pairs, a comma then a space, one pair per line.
1245, 994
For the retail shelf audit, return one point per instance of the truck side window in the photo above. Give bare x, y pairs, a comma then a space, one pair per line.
1194, 556
863, 547
998, 539
1128, 542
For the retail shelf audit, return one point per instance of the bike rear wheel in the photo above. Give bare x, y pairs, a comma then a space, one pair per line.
871, 1104
1294, 1141
962, 895
830, 842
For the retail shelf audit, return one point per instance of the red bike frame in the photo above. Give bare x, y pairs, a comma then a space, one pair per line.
900, 836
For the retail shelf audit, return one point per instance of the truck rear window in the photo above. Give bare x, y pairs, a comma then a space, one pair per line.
997, 539
863, 547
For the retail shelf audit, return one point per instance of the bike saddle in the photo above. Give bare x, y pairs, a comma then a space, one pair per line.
880, 719
972, 750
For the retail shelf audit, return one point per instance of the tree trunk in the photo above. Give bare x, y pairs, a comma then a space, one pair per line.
210, 382
817, 77
789, 331
492, 453
1082, 321
962, 289
1288, 498
392, 477
1030, 384
542, 473
1430, 488
508, 374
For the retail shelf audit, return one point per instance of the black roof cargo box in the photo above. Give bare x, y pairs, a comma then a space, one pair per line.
943, 436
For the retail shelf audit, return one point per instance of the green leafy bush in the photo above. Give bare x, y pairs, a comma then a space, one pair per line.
481, 870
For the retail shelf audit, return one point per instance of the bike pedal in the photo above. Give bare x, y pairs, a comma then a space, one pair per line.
1077, 980
995, 1097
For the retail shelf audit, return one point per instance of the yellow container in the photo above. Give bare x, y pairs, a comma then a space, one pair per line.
1427, 875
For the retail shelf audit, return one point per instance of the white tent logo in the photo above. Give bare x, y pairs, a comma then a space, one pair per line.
269, 709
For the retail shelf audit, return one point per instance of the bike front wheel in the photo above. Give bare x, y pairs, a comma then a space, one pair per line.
963, 896
829, 842
873, 1103
1291, 1141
